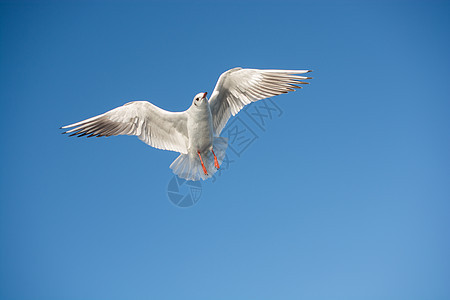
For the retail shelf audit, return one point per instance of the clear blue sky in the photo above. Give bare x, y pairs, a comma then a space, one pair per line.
344, 196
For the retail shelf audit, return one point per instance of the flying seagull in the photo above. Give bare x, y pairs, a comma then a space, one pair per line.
195, 132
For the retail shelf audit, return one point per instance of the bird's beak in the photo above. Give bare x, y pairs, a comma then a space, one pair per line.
204, 95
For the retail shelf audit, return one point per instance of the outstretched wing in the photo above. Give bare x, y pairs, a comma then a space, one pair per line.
154, 126
238, 87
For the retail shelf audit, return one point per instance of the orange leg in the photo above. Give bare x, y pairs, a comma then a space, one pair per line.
201, 160
216, 163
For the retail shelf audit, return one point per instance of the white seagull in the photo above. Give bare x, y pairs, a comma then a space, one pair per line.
195, 132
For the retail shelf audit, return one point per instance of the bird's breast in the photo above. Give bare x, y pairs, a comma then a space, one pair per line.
200, 130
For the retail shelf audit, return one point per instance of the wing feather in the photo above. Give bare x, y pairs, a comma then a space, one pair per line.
238, 87
154, 126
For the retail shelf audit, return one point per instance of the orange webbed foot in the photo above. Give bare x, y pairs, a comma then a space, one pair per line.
203, 166
216, 163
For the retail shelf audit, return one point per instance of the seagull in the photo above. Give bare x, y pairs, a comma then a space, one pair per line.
195, 132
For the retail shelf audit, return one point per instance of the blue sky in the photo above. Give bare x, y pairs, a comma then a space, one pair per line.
344, 196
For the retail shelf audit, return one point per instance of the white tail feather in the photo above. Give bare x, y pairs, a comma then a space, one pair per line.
189, 167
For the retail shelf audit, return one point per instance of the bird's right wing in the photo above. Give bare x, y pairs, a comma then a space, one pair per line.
154, 126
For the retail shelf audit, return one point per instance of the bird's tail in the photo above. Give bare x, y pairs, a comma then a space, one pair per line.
189, 167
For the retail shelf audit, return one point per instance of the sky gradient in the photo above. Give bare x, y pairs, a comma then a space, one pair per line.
343, 195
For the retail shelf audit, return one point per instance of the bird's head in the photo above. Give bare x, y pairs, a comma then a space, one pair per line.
200, 99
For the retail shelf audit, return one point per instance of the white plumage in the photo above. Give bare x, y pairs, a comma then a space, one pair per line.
193, 133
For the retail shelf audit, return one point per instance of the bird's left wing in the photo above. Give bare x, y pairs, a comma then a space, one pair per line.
154, 126
238, 87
